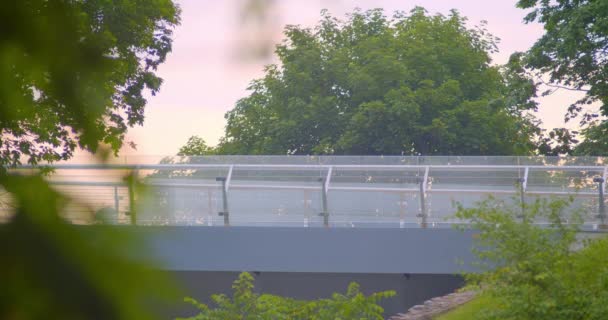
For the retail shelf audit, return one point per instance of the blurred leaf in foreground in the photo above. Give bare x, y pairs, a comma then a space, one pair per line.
54, 270
73, 74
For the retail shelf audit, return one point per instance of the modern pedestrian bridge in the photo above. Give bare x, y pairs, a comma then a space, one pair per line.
308, 225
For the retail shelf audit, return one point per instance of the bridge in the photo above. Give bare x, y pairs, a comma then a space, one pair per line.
307, 225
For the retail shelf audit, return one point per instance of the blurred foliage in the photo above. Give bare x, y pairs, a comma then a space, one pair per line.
573, 53
411, 84
258, 22
245, 304
537, 272
595, 141
50, 269
73, 74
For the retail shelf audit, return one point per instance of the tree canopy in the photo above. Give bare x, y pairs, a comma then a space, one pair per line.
195, 146
573, 54
74, 73
414, 83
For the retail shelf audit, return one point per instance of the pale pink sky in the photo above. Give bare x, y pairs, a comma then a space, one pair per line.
203, 76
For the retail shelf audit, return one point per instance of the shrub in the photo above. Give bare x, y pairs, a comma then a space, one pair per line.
532, 271
245, 304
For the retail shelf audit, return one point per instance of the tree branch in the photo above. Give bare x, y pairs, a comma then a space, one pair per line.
555, 86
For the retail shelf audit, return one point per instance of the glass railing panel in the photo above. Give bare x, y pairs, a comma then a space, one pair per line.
375, 196
275, 207
467, 186
563, 180
95, 194
579, 185
373, 208
187, 195
276, 195
575, 207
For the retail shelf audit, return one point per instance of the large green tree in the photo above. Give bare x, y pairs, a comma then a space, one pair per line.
572, 55
411, 84
73, 73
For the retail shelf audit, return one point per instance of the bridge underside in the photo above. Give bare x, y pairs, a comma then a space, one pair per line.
312, 263
327, 250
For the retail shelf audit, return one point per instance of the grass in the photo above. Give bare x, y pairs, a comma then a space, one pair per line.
468, 310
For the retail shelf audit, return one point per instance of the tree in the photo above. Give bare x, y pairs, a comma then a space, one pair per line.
412, 84
195, 146
559, 141
73, 73
532, 271
246, 304
595, 142
573, 53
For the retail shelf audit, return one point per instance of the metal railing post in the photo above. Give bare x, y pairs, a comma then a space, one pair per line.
224, 213
132, 204
324, 190
423, 210
602, 206
523, 184
225, 185
325, 212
